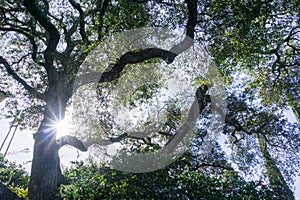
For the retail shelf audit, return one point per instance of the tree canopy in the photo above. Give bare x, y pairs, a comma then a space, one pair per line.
254, 46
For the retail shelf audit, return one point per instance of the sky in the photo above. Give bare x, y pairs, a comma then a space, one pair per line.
21, 150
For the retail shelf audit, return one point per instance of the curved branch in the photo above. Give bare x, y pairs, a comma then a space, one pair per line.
128, 58
199, 104
11, 72
236, 124
72, 141
136, 57
81, 20
45, 23
146, 54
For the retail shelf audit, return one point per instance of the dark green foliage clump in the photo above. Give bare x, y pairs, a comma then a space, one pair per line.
94, 181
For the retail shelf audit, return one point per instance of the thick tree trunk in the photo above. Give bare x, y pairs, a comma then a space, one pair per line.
45, 171
274, 174
46, 174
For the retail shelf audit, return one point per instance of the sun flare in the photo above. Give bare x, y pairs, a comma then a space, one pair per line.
62, 128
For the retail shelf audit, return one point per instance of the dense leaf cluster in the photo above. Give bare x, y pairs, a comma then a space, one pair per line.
14, 176
94, 181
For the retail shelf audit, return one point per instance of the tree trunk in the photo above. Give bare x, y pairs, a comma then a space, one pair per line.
274, 175
296, 111
46, 174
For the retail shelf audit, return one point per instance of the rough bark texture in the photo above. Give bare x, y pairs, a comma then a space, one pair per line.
296, 111
2, 96
6, 194
45, 170
46, 174
274, 174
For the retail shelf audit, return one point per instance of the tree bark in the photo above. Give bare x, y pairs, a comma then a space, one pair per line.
296, 111
2, 96
46, 174
274, 175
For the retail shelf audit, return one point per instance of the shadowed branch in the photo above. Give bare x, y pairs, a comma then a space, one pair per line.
72, 141
11, 72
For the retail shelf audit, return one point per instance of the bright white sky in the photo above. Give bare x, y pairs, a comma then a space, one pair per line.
21, 150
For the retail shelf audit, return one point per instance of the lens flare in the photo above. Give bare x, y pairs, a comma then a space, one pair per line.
62, 128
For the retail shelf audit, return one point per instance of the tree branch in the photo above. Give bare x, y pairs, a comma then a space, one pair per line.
199, 104
109, 141
236, 124
157, 1
215, 165
146, 54
45, 23
192, 17
136, 57
127, 58
11, 72
68, 35
72, 141
30, 38
103, 6
119, 138
81, 20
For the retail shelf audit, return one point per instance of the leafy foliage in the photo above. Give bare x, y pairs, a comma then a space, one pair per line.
247, 121
93, 181
45, 42
14, 176
261, 37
